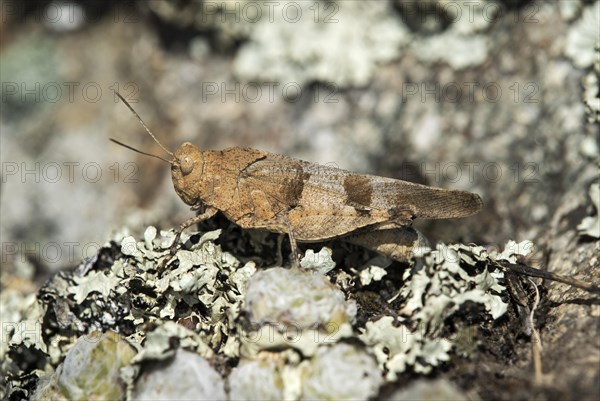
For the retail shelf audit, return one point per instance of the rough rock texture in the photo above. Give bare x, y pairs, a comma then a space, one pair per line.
506, 106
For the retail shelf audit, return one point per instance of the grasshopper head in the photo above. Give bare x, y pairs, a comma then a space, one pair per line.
187, 164
186, 172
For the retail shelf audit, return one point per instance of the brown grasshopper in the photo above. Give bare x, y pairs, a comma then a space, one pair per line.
308, 202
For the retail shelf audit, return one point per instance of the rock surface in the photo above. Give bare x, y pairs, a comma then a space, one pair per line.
504, 104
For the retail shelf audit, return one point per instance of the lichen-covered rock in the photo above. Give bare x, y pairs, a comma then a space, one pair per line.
591, 99
429, 390
162, 342
258, 379
187, 377
462, 44
292, 308
453, 48
351, 367
91, 370
341, 42
583, 48
583, 39
438, 288
287, 330
47, 390
590, 225
435, 288
296, 298
398, 348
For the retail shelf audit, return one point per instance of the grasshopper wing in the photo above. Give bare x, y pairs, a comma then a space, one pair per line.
323, 202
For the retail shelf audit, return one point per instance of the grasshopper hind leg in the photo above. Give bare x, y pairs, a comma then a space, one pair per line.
396, 243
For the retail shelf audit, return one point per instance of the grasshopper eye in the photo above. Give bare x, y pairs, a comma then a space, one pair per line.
187, 165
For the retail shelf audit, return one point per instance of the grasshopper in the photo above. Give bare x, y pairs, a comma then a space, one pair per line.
306, 201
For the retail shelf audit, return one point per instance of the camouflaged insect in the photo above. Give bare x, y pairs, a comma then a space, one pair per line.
307, 201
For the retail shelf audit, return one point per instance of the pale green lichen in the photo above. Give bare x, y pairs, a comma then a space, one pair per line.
584, 37
456, 49
398, 348
90, 371
187, 376
193, 281
229, 22
290, 328
468, 16
21, 322
93, 282
438, 288
462, 44
321, 261
438, 284
259, 379
569, 9
294, 309
296, 298
20, 314
342, 42
371, 274
590, 225
583, 48
343, 49
342, 363
591, 98
133, 292
129, 247
159, 344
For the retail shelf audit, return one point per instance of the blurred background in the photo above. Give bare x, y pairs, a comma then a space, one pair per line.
494, 97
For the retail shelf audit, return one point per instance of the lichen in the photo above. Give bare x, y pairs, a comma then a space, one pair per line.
321, 261
93, 282
438, 284
457, 50
342, 44
259, 379
313, 302
398, 348
591, 95
462, 44
584, 37
187, 376
437, 288
371, 274
590, 225
294, 308
90, 371
215, 17
583, 48
295, 329
340, 363
21, 317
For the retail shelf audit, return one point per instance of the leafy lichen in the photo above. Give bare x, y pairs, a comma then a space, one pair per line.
288, 327
343, 49
590, 225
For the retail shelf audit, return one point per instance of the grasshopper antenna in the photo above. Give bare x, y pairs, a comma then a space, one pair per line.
144, 125
139, 151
